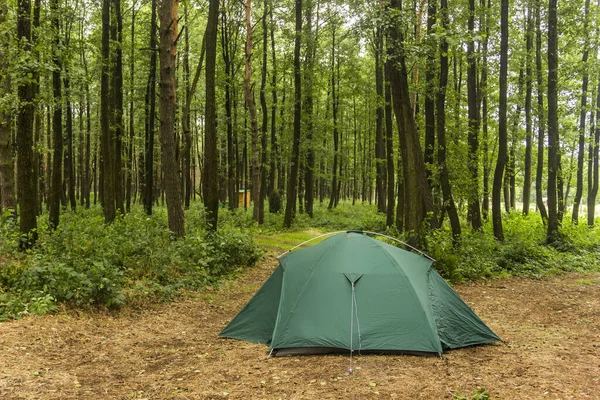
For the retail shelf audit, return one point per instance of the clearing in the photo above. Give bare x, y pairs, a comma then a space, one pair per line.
552, 351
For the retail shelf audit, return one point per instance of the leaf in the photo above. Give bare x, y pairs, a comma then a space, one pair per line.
372, 384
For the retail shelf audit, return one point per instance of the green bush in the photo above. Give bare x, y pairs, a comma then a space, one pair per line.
86, 263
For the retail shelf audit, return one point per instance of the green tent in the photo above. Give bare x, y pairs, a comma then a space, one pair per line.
354, 292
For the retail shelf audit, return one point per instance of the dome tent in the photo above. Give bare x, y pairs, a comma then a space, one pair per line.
354, 292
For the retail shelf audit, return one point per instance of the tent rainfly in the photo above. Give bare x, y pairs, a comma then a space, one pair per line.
354, 292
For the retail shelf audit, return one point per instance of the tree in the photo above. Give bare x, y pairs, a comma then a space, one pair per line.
291, 188
107, 151
593, 162
473, 160
117, 103
168, 94
553, 136
417, 203
528, 127
7, 176
539, 197
210, 182
26, 173
448, 200
502, 129
150, 110
582, 117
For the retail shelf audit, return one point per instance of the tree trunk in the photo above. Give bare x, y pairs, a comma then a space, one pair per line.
311, 40
130, 156
274, 146
336, 139
553, 137
418, 202
210, 171
380, 159
69, 154
429, 103
473, 158
539, 197
502, 129
150, 111
389, 140
168, 106
291, 188
118, 107
582, 117
265, 121
483, 95
593, 163
56, 185
448, 200
252, 110
7, 174
107, 156
528, 127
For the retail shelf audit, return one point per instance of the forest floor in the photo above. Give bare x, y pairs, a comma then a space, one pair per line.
551, 329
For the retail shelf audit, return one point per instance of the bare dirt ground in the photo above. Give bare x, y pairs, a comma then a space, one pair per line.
552, 351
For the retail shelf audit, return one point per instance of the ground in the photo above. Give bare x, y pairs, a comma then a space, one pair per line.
551, 329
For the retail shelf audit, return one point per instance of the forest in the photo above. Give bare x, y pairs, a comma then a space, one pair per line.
152, 150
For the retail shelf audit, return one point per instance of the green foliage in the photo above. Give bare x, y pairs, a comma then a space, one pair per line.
85, 263
479, 394
524, 252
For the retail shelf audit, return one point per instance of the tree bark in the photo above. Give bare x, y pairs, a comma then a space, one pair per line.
311, 41
130, 156
274, 145
473, 158
252, 111
150, 111
430, 94
553, 136
118, 107
448, 200
211, 161
291, 188
528, 127
229, 34
107, 156
265, 120
168, 105
593, 162
389, 141
334, 179
582, 117
7, 173
483, 95
418, 202
502, 128
380, 159
539, 197
54, 198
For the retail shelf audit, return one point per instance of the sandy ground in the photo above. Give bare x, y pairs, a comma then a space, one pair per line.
551, 330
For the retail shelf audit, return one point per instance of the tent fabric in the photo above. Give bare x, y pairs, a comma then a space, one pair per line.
401, 304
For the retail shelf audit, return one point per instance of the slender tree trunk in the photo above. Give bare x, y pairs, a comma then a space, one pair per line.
473, 159
265, 120
107, 156
168, 106
509, 179
228, 29
150, 110
593, 163
210, 182
118, 107
448, 200
582, 117
502, 129
274, 145
54, 198
389, 140
553, 137
69, 154
334, 179
7, 174
130, 157
528, 127
37, 154
380, 159
483, 95
291, 189
539, 197
252, 110
308, 106
430, 92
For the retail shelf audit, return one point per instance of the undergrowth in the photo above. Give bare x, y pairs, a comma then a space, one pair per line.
86, 263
